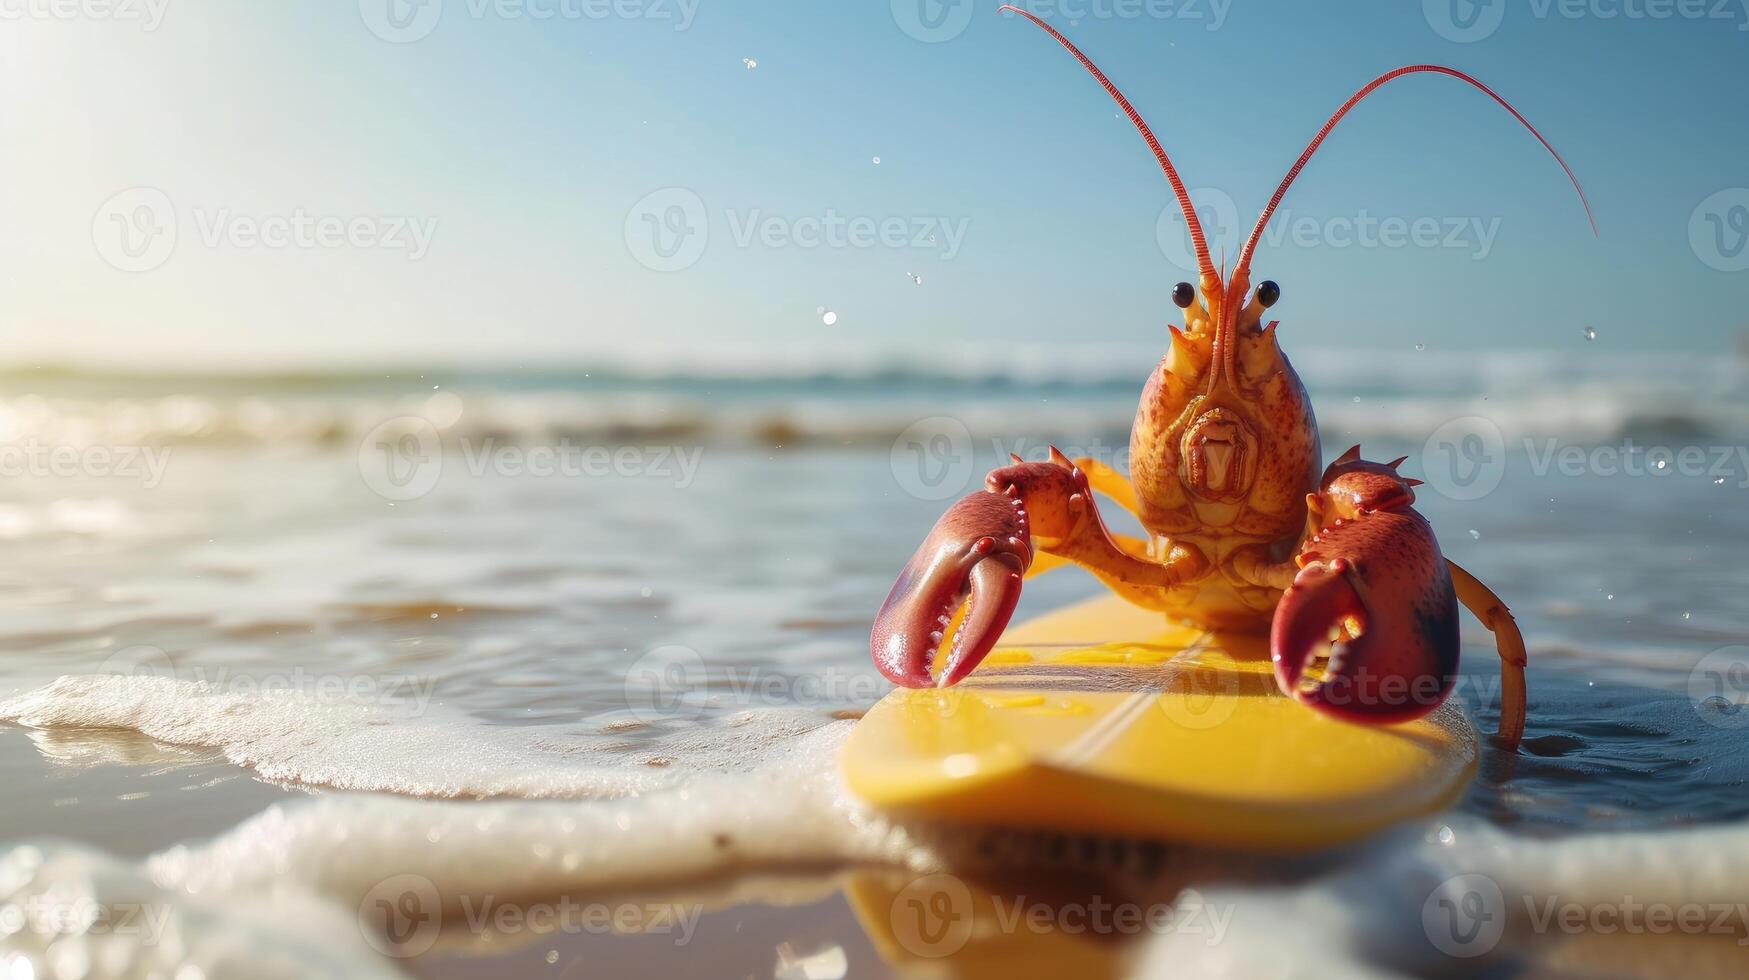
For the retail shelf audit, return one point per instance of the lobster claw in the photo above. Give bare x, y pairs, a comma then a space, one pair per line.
976, 554
1382, 668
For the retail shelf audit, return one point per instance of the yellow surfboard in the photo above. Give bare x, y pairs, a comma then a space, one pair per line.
1102, 717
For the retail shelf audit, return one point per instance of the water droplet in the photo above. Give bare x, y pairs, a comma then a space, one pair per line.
818, 310
645, 592
1446, 836
1719, 482
877, 161
1610, 597
829, 318
1590, 333
1688, 615
750, 63
916, 279
1660, 463
553, 954
1475, 535
1420, 346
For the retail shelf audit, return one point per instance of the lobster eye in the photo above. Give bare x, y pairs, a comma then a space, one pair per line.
1183, 295
1268, 292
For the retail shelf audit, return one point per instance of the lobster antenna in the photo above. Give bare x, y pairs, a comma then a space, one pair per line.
1196, 237
1244, 263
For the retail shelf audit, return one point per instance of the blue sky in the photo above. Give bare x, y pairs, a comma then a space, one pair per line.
481, 189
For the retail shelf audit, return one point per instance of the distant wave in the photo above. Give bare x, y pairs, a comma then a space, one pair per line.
800, 396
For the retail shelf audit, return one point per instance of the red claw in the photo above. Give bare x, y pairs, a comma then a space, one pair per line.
1374, 587
976, 553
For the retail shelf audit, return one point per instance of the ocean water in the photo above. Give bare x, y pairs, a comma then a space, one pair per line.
276, 645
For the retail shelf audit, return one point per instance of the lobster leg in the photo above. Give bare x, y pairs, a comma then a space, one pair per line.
1487, 607
1103, 479
1067, 525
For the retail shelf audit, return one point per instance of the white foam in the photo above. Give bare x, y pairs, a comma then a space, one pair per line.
413, 748
285, 887
83, 914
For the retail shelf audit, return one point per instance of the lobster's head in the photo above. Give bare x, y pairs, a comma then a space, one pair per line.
1224, 428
